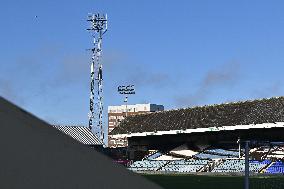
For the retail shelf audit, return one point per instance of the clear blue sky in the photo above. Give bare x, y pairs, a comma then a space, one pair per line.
177, 53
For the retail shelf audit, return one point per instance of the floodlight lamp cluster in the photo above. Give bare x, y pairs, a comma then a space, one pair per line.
129, 89
98, 22
126, 90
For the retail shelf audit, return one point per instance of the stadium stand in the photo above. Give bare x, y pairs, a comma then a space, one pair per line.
184, 166
210, 156
222, 152
180, 165
236, 165
238, 113
183, 136
260, 152
147, 165
276, 153
213, 159
216, 153
199, 165
219, 161
153, 156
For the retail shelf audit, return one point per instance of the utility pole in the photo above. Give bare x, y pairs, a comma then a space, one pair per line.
126, 100
239, 143
246, 164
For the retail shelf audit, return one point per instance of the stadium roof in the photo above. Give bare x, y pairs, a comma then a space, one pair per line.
230, 114
36, 155
80, 133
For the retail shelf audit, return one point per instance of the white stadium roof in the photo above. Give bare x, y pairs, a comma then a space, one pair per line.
200, 130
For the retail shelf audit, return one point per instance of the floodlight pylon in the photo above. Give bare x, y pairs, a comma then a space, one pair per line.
98, 28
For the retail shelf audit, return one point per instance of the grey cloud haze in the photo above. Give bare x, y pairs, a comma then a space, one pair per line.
225, 76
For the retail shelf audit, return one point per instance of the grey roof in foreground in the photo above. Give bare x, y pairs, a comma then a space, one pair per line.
36, 155
237, 113
80, 133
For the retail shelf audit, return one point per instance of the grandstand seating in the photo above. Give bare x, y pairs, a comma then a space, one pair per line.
210, 156
197, 165
235, 165
214, 160
153, 156
147, 165
276, 167
184, 165
216, 154
168, 166
276, 152
223, 152
208, 159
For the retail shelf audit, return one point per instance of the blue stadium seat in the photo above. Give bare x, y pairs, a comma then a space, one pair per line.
276, 167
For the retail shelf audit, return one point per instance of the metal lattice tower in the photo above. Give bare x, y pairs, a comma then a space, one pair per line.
98, 28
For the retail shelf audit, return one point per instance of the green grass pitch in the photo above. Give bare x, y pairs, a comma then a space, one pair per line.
180, 181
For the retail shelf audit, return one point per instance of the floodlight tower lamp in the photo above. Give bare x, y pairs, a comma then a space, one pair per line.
126, 90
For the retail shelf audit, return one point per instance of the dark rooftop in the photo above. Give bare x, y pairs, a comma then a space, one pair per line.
80, 133
229, 114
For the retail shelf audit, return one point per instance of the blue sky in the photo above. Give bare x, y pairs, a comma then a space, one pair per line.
177, 53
